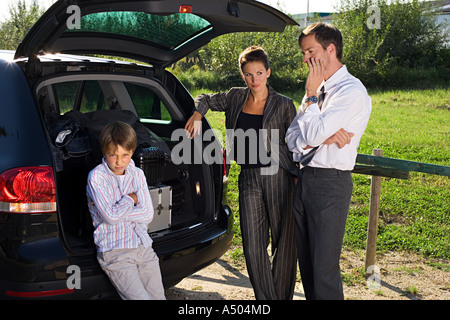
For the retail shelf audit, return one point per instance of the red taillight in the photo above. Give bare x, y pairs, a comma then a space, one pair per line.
225, 173
38, 294
27, 190
185, 9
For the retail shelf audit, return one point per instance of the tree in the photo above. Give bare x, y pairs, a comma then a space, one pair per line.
406, 42
22, 18
220, 58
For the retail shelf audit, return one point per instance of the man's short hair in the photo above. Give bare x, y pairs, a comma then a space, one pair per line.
325, 34
119, 134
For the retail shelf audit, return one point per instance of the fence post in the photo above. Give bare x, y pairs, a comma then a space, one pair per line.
372, 228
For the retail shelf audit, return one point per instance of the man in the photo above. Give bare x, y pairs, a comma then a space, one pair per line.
324, 137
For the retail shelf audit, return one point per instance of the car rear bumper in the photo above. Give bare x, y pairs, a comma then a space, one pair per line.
193, 258
193, 253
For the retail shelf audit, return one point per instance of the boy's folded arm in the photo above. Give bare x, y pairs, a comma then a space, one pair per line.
111, 212
115, 212
143, 210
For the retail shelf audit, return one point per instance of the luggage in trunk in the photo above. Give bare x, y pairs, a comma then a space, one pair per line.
156, 164
162, 205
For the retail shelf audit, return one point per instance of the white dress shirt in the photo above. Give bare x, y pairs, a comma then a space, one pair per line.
347, 105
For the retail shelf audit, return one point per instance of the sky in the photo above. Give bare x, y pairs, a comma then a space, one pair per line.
288, 6
299, 6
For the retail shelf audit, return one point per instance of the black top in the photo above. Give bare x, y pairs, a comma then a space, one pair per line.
248, 141
279, 112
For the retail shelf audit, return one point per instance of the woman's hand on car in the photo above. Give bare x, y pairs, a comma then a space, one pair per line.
193, 125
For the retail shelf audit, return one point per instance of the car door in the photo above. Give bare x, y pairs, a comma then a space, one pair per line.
152, 31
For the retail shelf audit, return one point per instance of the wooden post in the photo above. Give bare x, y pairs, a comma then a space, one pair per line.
372, 228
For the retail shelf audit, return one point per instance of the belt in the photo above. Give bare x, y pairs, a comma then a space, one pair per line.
324, 171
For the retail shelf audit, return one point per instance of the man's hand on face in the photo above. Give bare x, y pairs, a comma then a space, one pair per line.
315, 77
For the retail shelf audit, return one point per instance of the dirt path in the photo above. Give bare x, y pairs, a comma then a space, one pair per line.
402, 277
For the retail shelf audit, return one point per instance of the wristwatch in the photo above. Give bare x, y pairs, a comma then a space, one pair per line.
313, 99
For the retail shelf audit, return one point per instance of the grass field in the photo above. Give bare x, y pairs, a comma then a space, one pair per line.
414, 214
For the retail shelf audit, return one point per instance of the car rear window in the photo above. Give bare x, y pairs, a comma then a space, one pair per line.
92, 95
167, 31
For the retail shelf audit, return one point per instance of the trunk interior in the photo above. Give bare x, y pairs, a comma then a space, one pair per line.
76, 107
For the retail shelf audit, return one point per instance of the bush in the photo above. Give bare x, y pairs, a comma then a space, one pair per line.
219, 60
407, 50
22, 17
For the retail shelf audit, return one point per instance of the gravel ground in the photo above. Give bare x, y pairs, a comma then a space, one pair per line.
402, 277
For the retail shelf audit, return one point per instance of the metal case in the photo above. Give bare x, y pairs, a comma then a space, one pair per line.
162, 203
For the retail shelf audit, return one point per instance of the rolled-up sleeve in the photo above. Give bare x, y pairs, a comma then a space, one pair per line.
215, 102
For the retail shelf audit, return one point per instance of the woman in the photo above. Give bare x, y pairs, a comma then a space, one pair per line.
265, 200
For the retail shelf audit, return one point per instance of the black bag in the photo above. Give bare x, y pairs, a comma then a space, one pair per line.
68, 135
95, 121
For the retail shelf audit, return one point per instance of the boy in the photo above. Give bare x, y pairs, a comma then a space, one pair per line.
121, 209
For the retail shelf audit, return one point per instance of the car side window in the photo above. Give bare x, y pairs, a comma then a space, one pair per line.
148, 105
92, 98
66, 93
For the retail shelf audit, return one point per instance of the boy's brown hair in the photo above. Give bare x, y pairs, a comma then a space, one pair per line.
252, 54
325, 34
118, 133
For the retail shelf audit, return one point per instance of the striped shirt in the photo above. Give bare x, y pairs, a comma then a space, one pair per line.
118, 223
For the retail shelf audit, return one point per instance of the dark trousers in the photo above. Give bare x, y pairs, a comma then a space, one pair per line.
321, 203
265, 206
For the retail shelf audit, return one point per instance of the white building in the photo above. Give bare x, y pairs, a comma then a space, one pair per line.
312, 16
444, 18
441, 7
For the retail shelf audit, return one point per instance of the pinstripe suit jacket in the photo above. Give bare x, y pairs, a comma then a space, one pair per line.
278, 114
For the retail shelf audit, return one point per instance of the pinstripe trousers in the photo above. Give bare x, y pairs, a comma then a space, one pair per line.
265, 202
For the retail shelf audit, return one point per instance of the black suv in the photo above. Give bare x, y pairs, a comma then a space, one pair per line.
53, 105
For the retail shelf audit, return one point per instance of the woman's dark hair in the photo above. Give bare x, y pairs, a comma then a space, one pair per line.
252, 54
